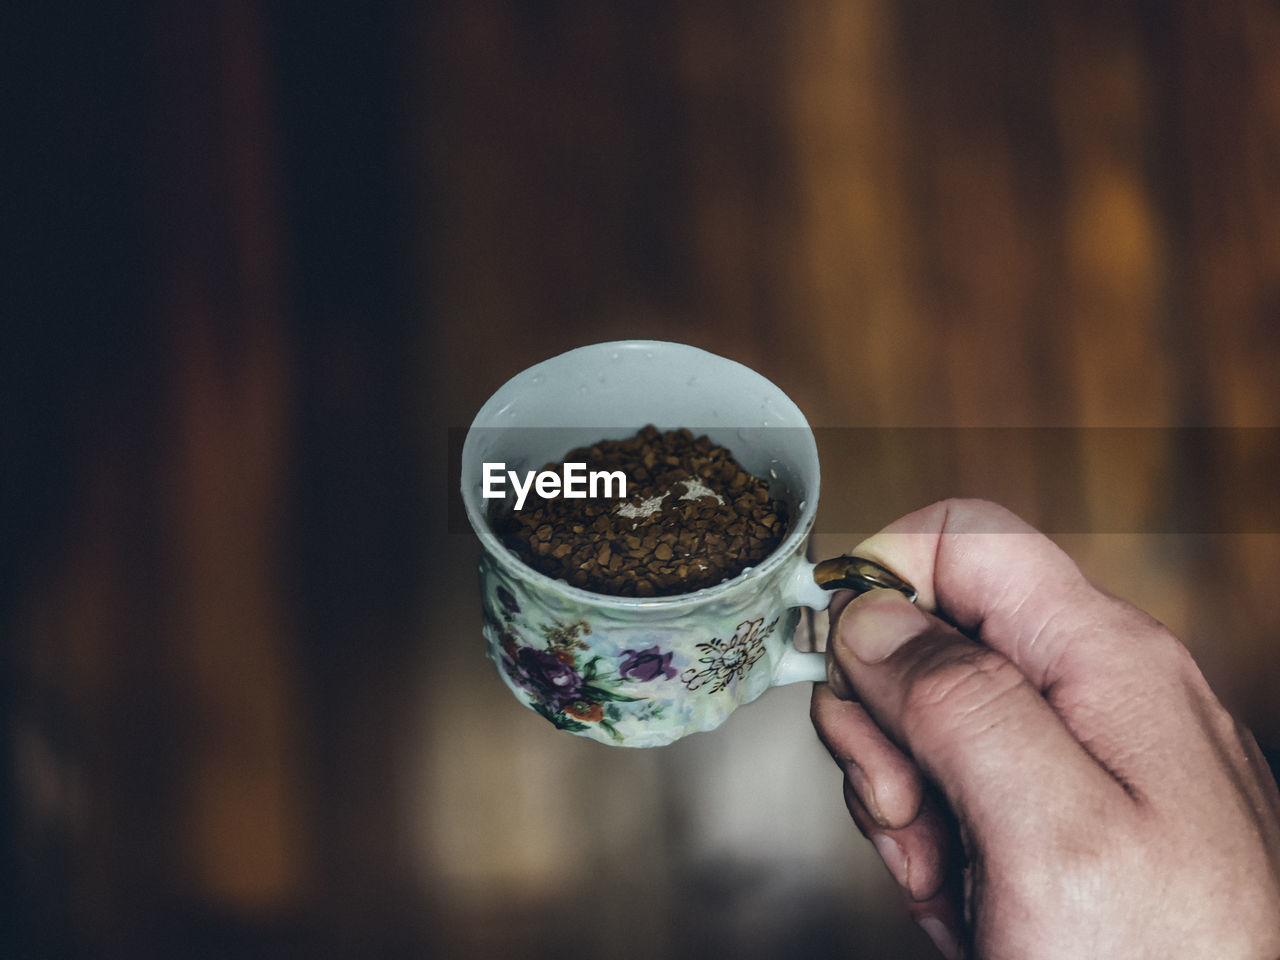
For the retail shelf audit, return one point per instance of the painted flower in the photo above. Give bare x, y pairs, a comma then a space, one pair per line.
646, 665
727, 660
585, 710
568, 693
544, 675
507, 600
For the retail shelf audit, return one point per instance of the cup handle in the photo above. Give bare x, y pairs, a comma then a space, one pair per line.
811, 585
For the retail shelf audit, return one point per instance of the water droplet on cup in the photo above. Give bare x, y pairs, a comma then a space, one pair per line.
537, 378
693, 381
615, 355
803, 504
583, 388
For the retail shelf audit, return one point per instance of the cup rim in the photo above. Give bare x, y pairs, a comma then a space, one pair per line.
505, 558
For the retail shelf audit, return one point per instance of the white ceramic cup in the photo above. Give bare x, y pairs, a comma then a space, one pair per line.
634, 671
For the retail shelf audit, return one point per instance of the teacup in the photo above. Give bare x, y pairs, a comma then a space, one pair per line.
642, 672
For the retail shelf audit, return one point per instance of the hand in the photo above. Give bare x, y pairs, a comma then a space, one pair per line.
1060, 741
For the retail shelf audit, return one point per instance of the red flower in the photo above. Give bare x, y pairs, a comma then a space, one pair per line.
585, 710
564, 655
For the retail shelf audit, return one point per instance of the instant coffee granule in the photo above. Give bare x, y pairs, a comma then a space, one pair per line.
693, 517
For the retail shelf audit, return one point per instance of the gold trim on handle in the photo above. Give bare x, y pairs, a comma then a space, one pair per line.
860, 574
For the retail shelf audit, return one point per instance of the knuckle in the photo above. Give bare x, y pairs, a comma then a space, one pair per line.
979, 515
951, 687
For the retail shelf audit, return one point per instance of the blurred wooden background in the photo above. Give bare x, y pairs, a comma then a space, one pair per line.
273, 252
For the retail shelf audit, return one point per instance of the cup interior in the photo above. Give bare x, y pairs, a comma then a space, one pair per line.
611, 390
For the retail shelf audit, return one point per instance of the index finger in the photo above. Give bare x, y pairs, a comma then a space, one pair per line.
1118, 680
998, 579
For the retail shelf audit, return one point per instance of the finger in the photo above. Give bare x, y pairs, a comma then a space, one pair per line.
923, 850
942, 920
920, 856
886, 781
839, 600
986, 571
1103, 665
1258, 783
969, 719
926, 862
858, 812
835, 679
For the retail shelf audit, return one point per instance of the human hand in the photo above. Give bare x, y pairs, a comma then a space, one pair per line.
1058, 739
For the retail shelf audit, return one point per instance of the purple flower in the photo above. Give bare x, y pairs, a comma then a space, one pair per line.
646, 664
507, 600
551, 679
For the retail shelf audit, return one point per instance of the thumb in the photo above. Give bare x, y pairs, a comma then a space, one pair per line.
969, 718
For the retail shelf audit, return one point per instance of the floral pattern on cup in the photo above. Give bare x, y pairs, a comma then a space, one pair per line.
571, 694
648, 664
729, 660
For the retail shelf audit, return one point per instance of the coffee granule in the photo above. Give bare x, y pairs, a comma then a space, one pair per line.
693, 517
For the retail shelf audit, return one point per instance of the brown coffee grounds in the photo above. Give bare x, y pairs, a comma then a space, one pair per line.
693, 517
